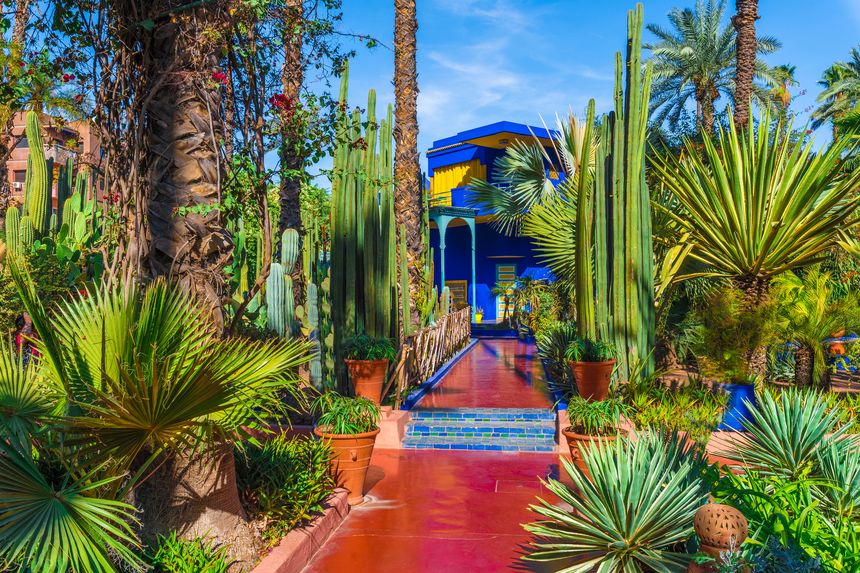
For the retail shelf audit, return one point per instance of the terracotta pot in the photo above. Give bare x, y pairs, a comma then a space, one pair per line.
578, 443
593, 378
350, 459
368, 377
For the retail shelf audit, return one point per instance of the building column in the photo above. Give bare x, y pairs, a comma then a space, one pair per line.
471, 223
442, 223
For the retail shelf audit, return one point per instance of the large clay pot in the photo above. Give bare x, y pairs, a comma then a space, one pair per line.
579, 443
720, 528
593, 378
737, 414
368, 377
350, 459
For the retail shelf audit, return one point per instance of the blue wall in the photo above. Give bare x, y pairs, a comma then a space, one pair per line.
458, 261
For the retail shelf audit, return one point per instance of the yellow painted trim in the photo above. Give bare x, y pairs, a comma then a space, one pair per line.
451, 176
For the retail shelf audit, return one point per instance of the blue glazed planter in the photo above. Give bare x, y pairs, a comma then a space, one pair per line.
737, 409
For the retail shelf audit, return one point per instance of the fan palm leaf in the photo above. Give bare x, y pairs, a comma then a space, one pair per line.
25, 401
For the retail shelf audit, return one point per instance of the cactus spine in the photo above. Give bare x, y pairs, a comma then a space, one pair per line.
38, 205
13, 241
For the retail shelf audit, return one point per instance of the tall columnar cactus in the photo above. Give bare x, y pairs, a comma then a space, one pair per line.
64, 188
363, 256
13, 241
623, 283
82, 185
445, 304
275, 298
38, 202
289, 249
25, 233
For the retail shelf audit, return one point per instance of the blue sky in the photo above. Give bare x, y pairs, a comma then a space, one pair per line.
481, 61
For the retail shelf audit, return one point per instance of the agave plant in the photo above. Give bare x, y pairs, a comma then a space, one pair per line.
637, 506
142, 386
786, 433
838, 462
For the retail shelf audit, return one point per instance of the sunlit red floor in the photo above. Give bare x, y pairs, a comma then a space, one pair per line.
439, 511
499, 373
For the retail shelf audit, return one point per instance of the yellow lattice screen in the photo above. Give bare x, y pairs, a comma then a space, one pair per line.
451, 176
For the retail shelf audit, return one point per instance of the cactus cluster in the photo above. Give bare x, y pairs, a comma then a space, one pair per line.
615, 288
364, 287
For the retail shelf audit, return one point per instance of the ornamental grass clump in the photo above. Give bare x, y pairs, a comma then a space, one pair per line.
595, 418
364, 347
631, 508
344, 415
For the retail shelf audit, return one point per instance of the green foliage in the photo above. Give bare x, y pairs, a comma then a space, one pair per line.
807, 312
344, 415
174, 555
630, 515
729, 332
53, 280
595, 418
758, 204
588, 350
284, 481
552, 343
364, 347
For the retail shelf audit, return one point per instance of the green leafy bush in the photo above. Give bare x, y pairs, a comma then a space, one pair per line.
173, 555
633, 512
587, 350
284, 481
53, 284
595, 418
552, 343
364, 347
344, 415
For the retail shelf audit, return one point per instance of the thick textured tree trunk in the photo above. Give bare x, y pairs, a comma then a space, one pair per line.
198, 497
407, 170
187, 239
19, 37
291, 152
755, 294
744, 23
804, 362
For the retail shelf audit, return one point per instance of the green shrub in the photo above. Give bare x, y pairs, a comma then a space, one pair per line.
284, 481
587, 350
52, 280
364, 347
345, 415
174, 555
552, 343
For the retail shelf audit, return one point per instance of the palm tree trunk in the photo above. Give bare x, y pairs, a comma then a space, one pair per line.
187, 239
755, 291
292, 160
407, 170
803, 367
744, 23
197, 496
7, 143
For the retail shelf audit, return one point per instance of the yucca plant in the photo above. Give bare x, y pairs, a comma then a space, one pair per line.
786, 432
838, 462
631, 515
147, 388
757, 203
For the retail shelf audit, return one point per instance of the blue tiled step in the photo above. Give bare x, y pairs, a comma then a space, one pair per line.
471, 428
484, 414
496, 444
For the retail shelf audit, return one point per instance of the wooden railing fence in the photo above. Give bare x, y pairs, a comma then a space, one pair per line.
423, 353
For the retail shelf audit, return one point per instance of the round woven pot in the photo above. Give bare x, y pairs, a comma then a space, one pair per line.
350, 458
593, 378
579, 443
368, 377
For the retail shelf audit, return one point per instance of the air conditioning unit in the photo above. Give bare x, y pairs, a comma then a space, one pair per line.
17, 185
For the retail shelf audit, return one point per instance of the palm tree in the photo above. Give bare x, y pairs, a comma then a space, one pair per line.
745, 61
807, 314
841, 95
756, 205
407, 170
141, 399
784, 75
696, 60
186, 236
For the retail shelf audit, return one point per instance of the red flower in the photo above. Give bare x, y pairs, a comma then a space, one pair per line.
281, 101
220, 77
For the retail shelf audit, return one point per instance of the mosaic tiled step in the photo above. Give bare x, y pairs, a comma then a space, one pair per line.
494, 429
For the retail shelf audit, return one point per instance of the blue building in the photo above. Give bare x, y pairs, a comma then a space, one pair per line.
470, 255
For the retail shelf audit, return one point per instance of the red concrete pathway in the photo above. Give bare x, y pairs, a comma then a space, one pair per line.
439, 512
495, 373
